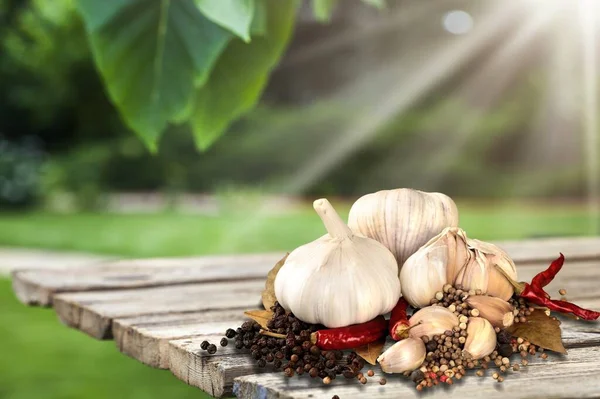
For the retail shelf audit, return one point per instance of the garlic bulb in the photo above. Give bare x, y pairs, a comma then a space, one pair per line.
436, 263
452, 258
495, 310
481, 338
430, 321
403, 219
339, 279
405, 355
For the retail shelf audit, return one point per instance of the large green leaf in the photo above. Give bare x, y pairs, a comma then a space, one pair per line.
234, 15
240, 75
323, 9
150, 54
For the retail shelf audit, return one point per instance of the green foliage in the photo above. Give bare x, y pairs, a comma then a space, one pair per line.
323, 9
240, 75
150, 54
156, 59
234, 15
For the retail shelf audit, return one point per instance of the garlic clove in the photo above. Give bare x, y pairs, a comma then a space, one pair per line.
497, 285
340, 279
474, 275
495, 310
481, 338
430, 321
424, 274
406, 355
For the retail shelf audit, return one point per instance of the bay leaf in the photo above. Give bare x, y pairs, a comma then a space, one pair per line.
268, 294
262, 317
541, 330
371, 352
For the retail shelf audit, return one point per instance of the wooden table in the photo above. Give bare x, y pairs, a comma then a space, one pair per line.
158, 311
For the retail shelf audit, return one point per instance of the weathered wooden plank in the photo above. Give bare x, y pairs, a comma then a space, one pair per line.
146, 338
575, 375
36, 287
545, 249
215, 373
93, 312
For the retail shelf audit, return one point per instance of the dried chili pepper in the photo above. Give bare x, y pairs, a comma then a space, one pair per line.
535, 293
348, 337
352, 336
399, 324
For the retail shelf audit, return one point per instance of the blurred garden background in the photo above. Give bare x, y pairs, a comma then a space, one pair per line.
493, 103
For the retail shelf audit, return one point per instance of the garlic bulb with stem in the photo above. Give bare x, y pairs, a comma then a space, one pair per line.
406, 355
481, 338
430, 321
402, 219
340, 279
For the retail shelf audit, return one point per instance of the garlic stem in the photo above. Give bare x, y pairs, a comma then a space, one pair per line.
333, 222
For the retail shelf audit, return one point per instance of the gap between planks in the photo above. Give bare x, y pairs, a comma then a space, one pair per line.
38, 286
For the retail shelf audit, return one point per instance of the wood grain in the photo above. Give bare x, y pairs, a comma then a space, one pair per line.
215, 373
146, 338
575, 375
37, 286
93, 312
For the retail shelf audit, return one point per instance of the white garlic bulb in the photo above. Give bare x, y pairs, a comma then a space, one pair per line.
430, 321
406, 355
403, 219
340, 279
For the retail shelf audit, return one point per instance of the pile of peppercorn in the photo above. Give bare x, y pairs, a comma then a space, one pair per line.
294, 354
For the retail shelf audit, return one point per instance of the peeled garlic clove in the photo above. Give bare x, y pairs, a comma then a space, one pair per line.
405, 355
430, 321
403, 219
495, 310
481, 338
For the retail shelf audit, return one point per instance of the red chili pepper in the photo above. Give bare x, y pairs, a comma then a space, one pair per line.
352, 336
399, 324
535, 293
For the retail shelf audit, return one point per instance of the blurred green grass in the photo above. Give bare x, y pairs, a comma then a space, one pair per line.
42, 358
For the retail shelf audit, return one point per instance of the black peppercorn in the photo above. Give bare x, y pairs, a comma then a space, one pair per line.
204, 345
212, 349
277, 364
261, 363
230, 333
247, 326
330, 364
504, 337
505, 350
224, 342
239, 345
431, 346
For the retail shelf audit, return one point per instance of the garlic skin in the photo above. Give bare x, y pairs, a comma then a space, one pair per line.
430, 321
406, 355
402, 219
495, 310
481, 338
436, 263
340, 279
452, 258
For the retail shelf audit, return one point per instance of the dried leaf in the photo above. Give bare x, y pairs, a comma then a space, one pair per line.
262, 317
540, 330
268, 294
371, 352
